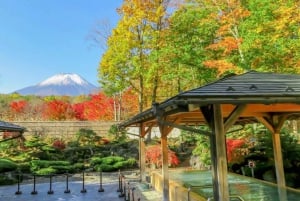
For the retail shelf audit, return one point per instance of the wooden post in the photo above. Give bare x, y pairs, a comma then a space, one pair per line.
164, 131
214, 159
279, 166
274, 125
220, 161
165, 164
142, 159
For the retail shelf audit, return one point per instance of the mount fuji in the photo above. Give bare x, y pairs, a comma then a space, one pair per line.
64, 84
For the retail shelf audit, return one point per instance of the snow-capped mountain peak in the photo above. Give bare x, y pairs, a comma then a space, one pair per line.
64, 79
64, 84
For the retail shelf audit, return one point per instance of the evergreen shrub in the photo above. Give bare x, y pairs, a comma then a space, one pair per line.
46, 171
7, 165
42, 166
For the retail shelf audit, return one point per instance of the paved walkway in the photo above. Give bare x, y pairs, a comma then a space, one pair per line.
110, 193
110, 186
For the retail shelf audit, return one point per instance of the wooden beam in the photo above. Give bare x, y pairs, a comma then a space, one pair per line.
213, 114
278, 123
182, 127
164, 149
146, 130
274, 125
279, 166
266, 123
233, 116
221, 158
170, 127
142, 152
207, 114
165, 165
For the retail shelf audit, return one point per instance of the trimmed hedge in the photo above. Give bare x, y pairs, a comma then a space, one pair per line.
42, 167
44, 163
7, 165
109, 160
46, 171
111, 163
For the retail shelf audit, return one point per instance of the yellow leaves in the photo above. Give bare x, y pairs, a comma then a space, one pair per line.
230, 12
227, 44
286, 17
221, 66
138, 10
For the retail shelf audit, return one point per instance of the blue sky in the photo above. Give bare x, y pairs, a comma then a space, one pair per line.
41, 38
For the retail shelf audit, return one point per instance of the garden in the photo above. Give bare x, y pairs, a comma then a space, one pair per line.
86, 151
43, 156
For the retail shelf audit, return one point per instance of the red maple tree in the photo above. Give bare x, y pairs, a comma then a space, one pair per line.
58, 110
233, 145
59, 144
99, 107
18, 106
78, 109
153, 156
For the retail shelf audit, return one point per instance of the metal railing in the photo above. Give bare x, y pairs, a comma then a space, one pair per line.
33, 179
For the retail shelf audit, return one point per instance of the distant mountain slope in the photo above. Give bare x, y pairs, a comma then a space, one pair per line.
64, 84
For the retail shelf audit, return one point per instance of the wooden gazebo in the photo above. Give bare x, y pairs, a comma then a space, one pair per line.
268, 98
9, 127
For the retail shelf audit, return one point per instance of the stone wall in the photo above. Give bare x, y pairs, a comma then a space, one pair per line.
64, 128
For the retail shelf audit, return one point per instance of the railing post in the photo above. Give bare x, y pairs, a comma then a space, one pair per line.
120, 187
34, 192
132, 193
100, 187
83, 190
67, 184
50, 188
128, 191
18, 192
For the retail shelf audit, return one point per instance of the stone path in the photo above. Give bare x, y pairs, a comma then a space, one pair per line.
91, 185
110, 193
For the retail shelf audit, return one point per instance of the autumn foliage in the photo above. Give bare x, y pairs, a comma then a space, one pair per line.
18, 106
58, 110
59, 144
98, 107
83, 108
153, 156
234, 154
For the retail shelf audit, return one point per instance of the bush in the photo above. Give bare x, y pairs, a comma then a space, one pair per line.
78, 166
45, 163
7, 165
24, 167
112, 163
120, 165
46, 171
4, 180
63, 169
105, 168
95, 161
58, 166
131, 162
109, 160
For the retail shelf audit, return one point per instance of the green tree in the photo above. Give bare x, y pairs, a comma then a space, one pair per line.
271, 36
126, 63
192, 28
